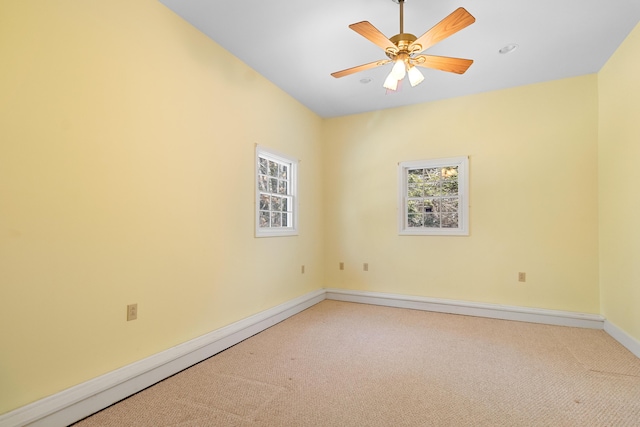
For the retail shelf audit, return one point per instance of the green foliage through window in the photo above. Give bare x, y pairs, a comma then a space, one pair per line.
432, 196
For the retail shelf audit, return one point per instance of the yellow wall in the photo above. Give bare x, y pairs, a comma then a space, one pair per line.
127, 175
533, 197
619, 160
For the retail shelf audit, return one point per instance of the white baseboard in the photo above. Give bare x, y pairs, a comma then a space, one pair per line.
623, 338
75, 403
495, 311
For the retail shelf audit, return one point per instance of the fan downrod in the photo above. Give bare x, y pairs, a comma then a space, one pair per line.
402, 40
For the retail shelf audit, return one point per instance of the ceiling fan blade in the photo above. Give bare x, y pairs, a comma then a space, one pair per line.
362, 67
450, 25
444, 63
371, 33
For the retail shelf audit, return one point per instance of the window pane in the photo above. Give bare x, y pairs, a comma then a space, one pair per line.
273, 185
276, 203
285, 204
282, 187
449, 220
449, 205
432, 220
284, 171
450, 172
450, 186
432, 189
415, 206
276, 219
431, 205
414, 190
264, 219
263, 166
415, 220
264, 202
285, 219
273, 168
263, 183
414, 175
432, 174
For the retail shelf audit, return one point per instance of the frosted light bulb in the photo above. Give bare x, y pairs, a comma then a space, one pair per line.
391, 82
399, 70
415, 76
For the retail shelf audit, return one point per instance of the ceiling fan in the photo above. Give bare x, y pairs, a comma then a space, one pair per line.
404, 49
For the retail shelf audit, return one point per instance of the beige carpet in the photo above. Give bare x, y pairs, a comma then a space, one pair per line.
346, 364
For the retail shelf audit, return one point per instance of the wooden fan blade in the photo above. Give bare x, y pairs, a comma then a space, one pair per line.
450, 25
371, 33
444, 63
362, 67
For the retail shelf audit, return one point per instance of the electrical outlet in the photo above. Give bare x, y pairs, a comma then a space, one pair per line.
365, 266
522, 277
342, 266
132, 312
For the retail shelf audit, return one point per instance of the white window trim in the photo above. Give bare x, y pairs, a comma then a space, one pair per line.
463, 190
293, 190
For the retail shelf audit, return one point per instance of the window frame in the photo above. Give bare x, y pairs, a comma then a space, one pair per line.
462, 162
269, 154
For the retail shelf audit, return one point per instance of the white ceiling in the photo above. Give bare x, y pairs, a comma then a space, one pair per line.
297, 44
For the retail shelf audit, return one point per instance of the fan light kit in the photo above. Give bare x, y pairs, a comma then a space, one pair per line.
404, 49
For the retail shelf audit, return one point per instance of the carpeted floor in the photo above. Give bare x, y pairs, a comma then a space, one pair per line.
346, 364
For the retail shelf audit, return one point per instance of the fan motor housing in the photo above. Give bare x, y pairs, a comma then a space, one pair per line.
402, 41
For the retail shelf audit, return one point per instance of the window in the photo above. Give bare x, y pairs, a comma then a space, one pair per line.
434, 197
276, 202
